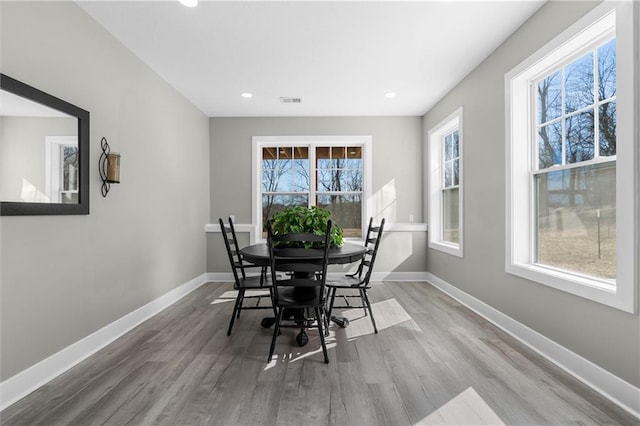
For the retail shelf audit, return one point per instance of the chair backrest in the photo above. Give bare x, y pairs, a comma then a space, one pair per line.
308, 265
233, 251
371, 243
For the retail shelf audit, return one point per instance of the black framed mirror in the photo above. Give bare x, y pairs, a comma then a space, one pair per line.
44, 153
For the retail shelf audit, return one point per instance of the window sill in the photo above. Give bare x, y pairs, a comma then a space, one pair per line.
452, 249
599, 291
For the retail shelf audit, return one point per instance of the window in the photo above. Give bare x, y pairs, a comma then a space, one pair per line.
445, 185
327, 172
574, 179
569, 146
62, 172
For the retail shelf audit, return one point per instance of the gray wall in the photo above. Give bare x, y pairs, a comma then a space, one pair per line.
396, 144
64, 277
608, 337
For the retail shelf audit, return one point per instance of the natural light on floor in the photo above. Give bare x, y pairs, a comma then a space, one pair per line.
387, 313
468, 408
230, 296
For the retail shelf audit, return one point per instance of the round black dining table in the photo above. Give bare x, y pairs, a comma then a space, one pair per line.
348, 253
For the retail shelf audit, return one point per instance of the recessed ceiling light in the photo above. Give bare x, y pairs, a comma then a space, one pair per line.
246, 95
390, 95
189, 3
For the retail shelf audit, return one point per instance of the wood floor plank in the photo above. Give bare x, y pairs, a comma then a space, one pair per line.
432, 362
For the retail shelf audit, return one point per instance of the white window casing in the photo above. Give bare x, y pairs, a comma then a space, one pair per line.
435, 184
259, 142
605, 20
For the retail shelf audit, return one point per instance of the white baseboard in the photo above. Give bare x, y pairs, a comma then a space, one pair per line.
399, 276
376, 276
25, 382
610, 386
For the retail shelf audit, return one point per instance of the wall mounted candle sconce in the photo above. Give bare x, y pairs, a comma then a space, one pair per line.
109, 166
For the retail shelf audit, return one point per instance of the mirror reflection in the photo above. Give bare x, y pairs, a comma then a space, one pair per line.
38, 152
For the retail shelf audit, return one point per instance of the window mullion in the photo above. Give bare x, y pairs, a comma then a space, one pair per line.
563, 115
313, 175
596, 106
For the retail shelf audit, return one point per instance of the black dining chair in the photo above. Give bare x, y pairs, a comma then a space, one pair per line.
303, 290
359, 281
242, 282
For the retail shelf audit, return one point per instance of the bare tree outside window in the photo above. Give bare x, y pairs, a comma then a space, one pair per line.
576, 124
338, 174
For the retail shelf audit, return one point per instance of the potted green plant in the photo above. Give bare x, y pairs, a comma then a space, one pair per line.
303, 219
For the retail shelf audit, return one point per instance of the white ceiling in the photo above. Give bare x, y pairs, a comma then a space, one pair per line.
339, 57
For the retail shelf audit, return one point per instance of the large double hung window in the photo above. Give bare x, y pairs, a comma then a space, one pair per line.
327, 172
445, 185
574, 177
571, 219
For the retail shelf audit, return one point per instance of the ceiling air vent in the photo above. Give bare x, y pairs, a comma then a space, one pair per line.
290, 100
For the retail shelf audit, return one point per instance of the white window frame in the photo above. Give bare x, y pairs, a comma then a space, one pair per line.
601, 22
258, 142
436, 183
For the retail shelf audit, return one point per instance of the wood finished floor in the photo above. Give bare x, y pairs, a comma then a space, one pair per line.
433, 362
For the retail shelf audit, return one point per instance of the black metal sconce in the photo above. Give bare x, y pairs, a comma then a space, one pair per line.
109, 167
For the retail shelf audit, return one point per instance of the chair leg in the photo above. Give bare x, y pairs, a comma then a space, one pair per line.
327, 318
276, 330
363, 302
236, 310
319, 320
275, 311
332, 296
366, 300
241, 296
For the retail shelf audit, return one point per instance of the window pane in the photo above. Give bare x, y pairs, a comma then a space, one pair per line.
335, 157
448, 149
270, 153
350, 180
301, 152
549, 98
607, 70
70, 168
579, 83
326, 180
448, 175
456, 154
580, 138
275, 203
285, 153
354, 152
339, 180
355, 163
456, 171
549, 145
346, 211
294, 180
607, 117
273, 180
450, 216
576, 220
338, 152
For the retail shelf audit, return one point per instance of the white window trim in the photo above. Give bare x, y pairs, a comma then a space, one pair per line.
451, 123
519, 240
258, 142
